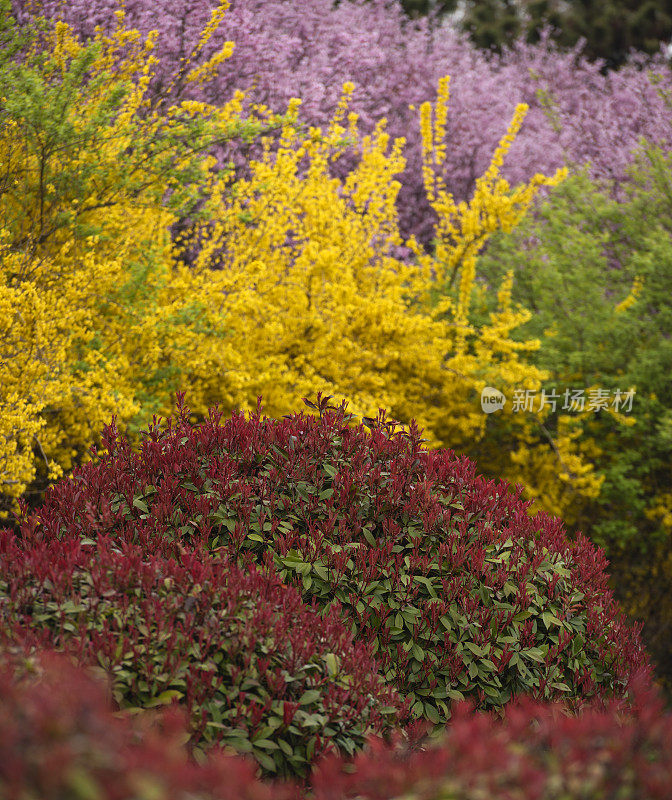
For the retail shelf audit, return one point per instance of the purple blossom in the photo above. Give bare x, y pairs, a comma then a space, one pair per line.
308, 50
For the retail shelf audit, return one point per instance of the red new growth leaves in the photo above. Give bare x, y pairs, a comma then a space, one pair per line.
537, 752
254, 667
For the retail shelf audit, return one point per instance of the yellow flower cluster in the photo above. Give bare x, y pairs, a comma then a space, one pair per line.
560, 468
463, 228
631, 299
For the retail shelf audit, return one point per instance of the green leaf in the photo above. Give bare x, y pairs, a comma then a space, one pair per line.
333, 663
550, 619
309, 696
266, 744
140, 504
535, 653
165, 698
475, 649
285, 747
417, 709
266, 761
239, 742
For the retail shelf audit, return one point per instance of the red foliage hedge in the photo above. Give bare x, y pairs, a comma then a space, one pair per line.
537, 752
254, 667
60, 740
459, 591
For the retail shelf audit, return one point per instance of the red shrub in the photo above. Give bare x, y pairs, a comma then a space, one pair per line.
459, 591
537, 752
59, 740
255, 668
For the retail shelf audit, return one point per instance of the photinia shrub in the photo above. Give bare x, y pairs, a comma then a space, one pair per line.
457, 589
255, 669
537, 752
59, 738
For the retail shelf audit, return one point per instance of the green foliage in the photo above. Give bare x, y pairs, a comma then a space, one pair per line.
596, 273
576, 262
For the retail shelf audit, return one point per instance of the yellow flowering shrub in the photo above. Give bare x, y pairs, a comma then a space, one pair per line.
97, 317
318, 301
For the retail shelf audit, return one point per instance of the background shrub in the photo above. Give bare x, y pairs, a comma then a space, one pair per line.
609, 329
255, 669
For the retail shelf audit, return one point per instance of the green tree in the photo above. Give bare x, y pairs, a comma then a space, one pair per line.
611, 28
596, 272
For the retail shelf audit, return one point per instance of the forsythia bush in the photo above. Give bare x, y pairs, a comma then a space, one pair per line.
309, 49
297, 284
96, 314
318, 296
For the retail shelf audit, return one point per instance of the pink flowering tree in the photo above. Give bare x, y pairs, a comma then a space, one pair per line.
308, 50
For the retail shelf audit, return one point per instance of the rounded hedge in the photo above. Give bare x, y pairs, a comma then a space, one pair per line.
457, 588
255, 668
